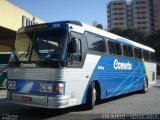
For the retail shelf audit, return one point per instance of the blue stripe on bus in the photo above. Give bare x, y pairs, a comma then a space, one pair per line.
31, 86
115, 82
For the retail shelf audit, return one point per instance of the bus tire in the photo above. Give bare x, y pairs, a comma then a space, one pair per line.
145, 86
91, 96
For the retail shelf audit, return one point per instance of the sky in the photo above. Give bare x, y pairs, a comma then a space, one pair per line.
85, 11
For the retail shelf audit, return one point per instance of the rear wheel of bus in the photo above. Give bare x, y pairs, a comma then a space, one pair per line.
145, 86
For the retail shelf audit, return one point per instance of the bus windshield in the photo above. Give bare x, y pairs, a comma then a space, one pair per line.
47, 45
4, 57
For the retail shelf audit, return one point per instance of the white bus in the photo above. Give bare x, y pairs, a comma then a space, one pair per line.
68, 63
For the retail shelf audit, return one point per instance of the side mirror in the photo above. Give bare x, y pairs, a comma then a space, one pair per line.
73, 45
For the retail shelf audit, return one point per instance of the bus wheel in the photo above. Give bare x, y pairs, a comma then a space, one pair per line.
145, 86
91, 96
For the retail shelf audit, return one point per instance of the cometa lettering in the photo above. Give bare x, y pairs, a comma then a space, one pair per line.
121, 65
27, 65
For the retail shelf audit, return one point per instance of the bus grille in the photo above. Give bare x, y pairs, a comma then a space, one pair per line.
35, 74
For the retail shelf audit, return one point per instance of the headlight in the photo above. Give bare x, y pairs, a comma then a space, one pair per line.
11, 85
56, 88
59, 88
44, 87
49, 87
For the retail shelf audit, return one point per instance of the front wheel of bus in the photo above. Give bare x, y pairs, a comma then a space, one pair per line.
91, 96
145, 86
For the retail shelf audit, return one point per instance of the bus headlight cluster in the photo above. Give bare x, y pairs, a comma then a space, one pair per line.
59, 88
55, 88
11, 85
44, 87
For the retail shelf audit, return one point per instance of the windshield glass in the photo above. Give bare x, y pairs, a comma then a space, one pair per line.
4, 58
48, 45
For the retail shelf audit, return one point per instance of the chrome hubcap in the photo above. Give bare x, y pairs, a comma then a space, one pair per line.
145, 85
94, 94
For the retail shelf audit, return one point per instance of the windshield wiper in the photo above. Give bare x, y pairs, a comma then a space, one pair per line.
25, 54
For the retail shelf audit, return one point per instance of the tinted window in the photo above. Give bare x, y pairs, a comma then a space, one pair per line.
118, 48
96, 43
78, 41
146, 55
4, 58
101, 44
77, 56
92, 43
111, 47
138, 53
152, 56
125, 50
114, 48
130, 51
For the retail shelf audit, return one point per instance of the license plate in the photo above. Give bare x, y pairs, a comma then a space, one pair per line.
26, 98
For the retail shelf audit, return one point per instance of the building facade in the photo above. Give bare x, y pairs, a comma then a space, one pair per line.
142, 14
12, 18
117, 14
156, 14
129, 15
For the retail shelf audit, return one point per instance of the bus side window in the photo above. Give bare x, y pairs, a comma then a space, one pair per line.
118, 48
130, 51
75, 48
145, 55
101, 44
138, 53
92, 42
77, 56
111, 47
152, 56
127, 51
114, 48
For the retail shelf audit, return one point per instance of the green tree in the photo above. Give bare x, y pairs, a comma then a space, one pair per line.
100, 26
130, 33
152, 39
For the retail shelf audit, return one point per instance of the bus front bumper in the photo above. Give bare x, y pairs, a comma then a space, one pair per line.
59, 101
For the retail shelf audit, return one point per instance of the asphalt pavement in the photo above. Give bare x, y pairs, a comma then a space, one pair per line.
121, 106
